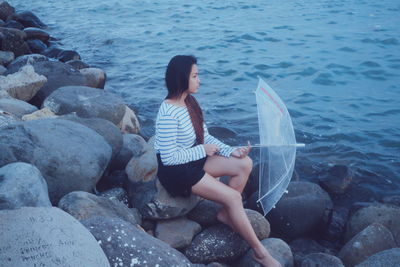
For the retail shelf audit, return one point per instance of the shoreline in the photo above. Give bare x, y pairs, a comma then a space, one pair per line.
108, 130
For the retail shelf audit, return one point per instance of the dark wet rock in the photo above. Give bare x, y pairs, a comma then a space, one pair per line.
215, 264
321, 259
36, 33
22, 185
67, 55
16, 107
205, 213
392, 200
70, 156
6, 57
178, 233
126, 245
14, 40
117, 178
133, 146
58, 74
302, 247
21, 61
52, 51
28, 19
337, 225
277, 248
337, 179
288, 219
13, 24
36, 46
103, 127
371, 240
387, 215
6, 10
2, 70
86, 102
386, 258
84, 205
116, 193
77, 64
46, 237
251, 203
95, 77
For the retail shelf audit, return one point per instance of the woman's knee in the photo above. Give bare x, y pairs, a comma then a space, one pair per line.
233, 199
246, 164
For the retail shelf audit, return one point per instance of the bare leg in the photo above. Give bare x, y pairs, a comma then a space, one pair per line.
210, 188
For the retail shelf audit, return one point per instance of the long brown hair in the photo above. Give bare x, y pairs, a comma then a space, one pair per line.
177, 81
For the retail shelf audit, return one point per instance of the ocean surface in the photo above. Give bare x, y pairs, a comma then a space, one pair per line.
336, 65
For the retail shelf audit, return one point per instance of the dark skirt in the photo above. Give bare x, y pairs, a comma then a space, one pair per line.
179, 179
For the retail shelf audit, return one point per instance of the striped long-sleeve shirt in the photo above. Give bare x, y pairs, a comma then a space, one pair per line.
175, 137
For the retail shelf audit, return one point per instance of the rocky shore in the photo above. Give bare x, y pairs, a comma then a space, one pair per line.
78, 184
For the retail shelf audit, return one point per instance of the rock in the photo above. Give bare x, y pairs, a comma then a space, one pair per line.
36, 46
103, 127
276, 247
70, 156
7, 119
40, 114
52, 51
387, 215
6, 10
28, 19
337, 179
371, 240
116, 193
259, 223
95, 77
58, 74
288, 219
133, 146
67, 55
215, 264
16, 107
205, 213
126, 245
392, 200
36, 33
129, 122
86, 102
178, 233
77, 64
216, 243
6, 57
22, 185
2, 70
321, 259
117, 178
251, 203
4, 95
13, 40
337, 225
46, 237
302, 247
21, 61
83, 205
24, 84
13, 24
386, 258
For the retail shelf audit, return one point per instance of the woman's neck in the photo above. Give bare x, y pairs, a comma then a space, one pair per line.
180, 101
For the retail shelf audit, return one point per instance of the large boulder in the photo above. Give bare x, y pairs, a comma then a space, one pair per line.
386, 215
205, 213
16, 107
133, 146
28, 19
86, 102
22, 185
70, 156
288, 219
126, 245
58, 74
129, 123
386, 258
14, 40
21, 61
6, 10
7, 118
302, 247
23, 85
6, 57
371, 240
84, 205
37, 33
95, 77
321, 259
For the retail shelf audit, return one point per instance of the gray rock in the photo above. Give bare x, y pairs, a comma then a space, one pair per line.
259, 223
205, 213
70, 156
337, 179
129, 123
178, 233
77, 64
7, 119
28, 19
16, 107
2, 70
39, 114
46, 237
302, 247
6, 57
371, 240
22, 185
126, 245
86, 102
288, 219
337, 225
21, 61
95, 77
37, 33
386, 215
392, 200
133, 146
321, 259
117, 193
58, 74
386, 258
23, 85
276, 247
6, 10
83, 205
67, 55
14, 40
147, 194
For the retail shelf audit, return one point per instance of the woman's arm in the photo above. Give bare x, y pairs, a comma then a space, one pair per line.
225, 150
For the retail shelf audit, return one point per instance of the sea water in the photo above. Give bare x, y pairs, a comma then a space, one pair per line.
335, 63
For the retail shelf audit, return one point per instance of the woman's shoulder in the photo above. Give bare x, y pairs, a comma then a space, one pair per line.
167, 109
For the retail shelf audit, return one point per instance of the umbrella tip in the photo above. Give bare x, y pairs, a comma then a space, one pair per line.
286, 192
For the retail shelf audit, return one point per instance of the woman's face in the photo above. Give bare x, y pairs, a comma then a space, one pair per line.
194, 80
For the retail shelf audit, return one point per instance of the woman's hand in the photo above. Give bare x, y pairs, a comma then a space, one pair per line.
242, 152
211, 149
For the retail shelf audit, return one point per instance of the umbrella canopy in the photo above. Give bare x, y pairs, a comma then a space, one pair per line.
277, 146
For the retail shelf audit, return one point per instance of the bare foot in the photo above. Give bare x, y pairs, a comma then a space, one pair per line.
267, 261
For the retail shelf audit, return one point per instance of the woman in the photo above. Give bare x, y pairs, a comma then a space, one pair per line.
189, 158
